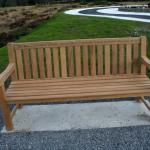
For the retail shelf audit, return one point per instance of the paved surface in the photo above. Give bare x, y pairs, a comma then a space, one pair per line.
121, 138
60, 117
110, 12
95, 11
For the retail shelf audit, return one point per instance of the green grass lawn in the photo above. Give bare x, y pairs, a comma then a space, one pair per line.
63, 26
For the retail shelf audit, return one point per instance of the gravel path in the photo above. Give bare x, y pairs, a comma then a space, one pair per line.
128, 138
124, 138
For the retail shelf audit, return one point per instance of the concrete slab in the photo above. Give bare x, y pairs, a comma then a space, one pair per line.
58, 117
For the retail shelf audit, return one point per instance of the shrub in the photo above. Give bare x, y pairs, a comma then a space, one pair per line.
83, 2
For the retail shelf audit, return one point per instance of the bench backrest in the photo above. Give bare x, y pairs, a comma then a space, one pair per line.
75, 58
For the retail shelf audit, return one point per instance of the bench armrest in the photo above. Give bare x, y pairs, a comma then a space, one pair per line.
146, 61
6, 73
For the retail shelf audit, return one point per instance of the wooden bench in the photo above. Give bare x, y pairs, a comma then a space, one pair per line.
88, 69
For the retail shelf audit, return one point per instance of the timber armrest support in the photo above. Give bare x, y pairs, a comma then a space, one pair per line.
146, 61
6, 73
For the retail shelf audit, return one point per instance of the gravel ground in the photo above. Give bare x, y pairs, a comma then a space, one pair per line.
124, 138
128, 138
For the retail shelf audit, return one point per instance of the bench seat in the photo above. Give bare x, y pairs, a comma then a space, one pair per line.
33, 91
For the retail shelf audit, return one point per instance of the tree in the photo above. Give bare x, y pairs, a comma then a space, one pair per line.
3, 3
11, 3
31, 2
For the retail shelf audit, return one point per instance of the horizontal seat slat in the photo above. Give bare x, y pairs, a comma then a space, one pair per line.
58, 87
82, 88
81, 83
74, 79
78, 90
79, 96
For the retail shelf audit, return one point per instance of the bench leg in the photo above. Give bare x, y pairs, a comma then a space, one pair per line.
5, 112
7, 117
20, 106
137, 99
142, 99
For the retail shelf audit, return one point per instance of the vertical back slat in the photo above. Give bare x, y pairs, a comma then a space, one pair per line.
128, 59
143, 53
56, 63
107, 59
135, 58
121, 59
34, 63
48, 62
78, 60
20, 64
85, 61
92, 60
41, 63
63, 62
100, 59
114, 59
27, 63
11, 56
71, 61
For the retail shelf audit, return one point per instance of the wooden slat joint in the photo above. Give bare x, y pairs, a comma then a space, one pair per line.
146, 61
